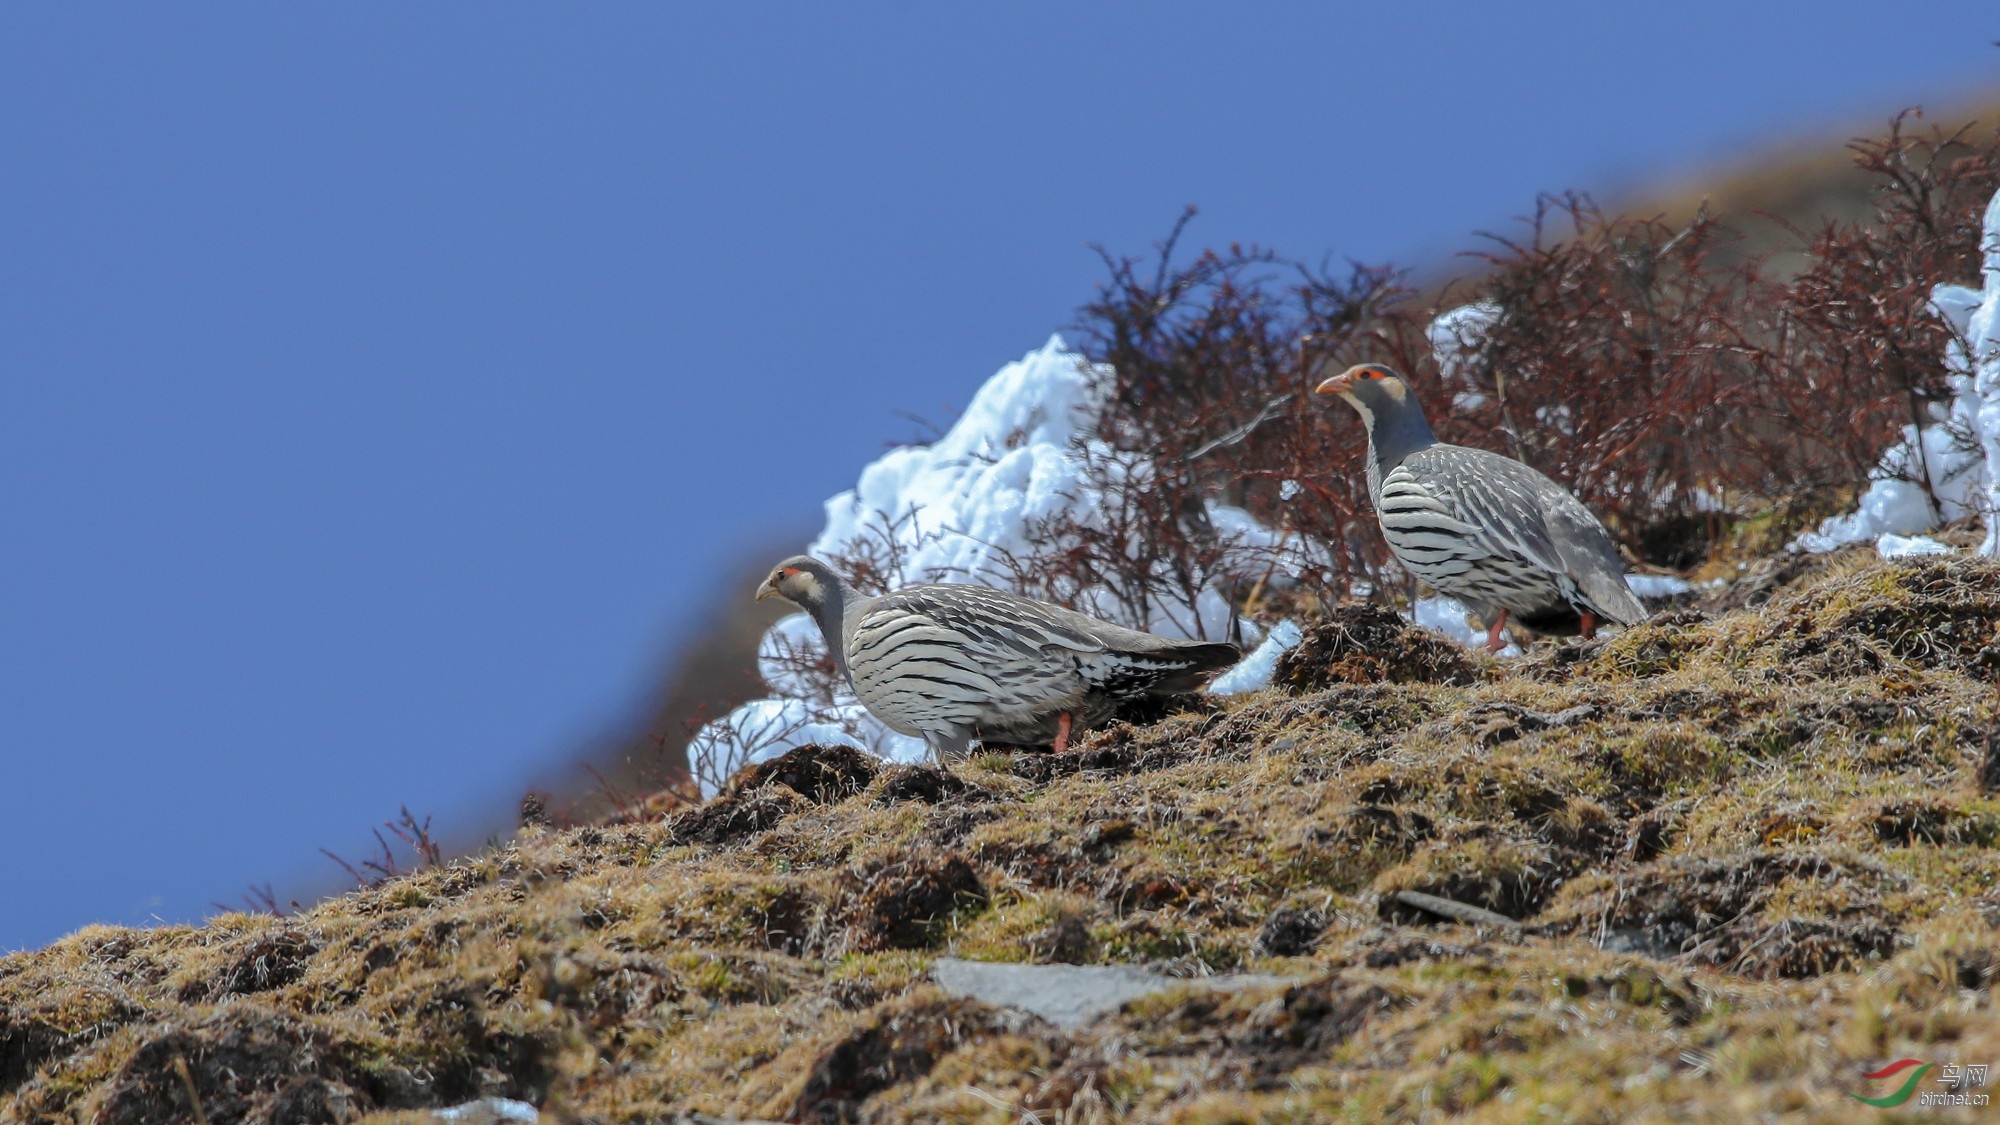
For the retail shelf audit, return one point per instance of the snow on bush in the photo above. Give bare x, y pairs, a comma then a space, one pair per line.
959, 508
1025, 492
986, 503
1255, 670
1903, 547
1448, 617
1974, 364
1657, 585
1458, 338
1958, 455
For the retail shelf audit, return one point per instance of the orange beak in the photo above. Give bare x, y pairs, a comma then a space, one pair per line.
1335, 384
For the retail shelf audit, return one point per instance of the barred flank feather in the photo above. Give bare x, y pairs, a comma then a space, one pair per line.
1477, 526
1480, 527
950, 662
956, 662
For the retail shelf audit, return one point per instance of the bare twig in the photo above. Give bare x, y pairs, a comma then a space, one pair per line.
1457, 911
194, 1096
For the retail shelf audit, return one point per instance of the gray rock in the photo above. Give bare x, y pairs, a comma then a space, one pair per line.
487, 1111
1073, 995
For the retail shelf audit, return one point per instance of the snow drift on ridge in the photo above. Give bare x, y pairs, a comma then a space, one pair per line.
1960, 454
969, 506
964, 509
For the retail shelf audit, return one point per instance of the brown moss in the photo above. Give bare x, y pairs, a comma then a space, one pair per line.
1732, 912
899, 1044
1932, 613
268, 961
1362, 643
1778, 868
820, 774
909, 902
1480, 867
735, 816
923, 784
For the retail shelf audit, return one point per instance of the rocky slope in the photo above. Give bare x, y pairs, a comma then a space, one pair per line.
1722, 864
1774, 199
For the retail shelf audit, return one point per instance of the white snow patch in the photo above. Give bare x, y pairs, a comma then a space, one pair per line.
1254, 671
1960, 454
763, 729
1458, 336
1903, 547
1657, 585
1974, 362
488, 1111
957, 506
793, 641
1252, 549
1706, 501
1449, 617
1895, 504
1557, 417
967, 508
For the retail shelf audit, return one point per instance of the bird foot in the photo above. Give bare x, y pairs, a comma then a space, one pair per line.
1589, 627
1061, 744
1495, 639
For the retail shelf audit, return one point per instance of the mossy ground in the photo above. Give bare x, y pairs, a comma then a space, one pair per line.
1751, 855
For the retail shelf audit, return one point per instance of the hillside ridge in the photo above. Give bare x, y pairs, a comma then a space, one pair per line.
1743, 854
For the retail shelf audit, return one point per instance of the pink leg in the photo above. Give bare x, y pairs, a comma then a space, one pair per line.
1494, 641
1589, 627
1062, 732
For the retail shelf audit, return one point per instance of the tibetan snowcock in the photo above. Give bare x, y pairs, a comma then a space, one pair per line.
1483, 528
951, 662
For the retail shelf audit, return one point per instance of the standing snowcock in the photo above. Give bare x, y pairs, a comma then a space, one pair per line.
949, 662
1483, 528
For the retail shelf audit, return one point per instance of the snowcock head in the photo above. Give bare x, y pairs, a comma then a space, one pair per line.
1370, 388
802, 580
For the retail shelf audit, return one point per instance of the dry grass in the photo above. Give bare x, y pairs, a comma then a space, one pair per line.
1751, 852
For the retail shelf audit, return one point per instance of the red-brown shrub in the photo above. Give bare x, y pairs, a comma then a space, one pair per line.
1673, 387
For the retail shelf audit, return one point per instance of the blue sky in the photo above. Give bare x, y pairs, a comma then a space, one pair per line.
383, 388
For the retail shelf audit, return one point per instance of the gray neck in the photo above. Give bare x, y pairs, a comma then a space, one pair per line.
831, 614
1397, 432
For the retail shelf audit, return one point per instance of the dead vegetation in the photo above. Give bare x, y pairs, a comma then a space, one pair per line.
1743, 855
1366, 644
1707, 407
1715, 866
1700, 402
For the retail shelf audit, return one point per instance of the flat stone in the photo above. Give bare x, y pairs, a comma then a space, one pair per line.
1073, 995
487, 1111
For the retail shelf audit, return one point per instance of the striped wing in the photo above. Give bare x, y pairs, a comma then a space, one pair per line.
1491, 496
964, 657
1527, 528
1446, 543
